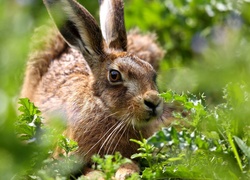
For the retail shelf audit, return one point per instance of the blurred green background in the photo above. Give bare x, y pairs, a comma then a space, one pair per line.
207, 44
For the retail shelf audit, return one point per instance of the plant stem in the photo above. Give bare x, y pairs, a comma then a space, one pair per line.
230, 140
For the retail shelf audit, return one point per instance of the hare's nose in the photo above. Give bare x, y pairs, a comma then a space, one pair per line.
153, 102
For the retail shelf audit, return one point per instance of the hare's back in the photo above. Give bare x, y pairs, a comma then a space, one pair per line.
67, 75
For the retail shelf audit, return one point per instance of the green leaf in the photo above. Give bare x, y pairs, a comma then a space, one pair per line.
28, 108
242, 145
28, 125
109, 164
67, 144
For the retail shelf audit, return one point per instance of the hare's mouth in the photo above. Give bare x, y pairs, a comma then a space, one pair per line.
153, 114
148, 115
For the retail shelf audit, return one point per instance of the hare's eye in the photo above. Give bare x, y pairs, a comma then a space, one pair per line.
115, 76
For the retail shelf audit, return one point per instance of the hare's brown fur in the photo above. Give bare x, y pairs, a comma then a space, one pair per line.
54, 63
100, 117
46, 49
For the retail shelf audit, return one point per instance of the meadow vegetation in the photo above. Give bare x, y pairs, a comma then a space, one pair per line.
205, 71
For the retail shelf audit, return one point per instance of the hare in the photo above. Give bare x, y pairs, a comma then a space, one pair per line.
101, 79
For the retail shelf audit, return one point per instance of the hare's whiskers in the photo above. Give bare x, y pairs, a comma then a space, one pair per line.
115, 136
101, 138
91, 124
120, 123
125, 130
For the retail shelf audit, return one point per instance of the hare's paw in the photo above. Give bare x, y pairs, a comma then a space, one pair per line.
126, 170
91, 174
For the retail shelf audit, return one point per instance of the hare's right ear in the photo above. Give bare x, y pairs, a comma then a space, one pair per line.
78, 27
112, 24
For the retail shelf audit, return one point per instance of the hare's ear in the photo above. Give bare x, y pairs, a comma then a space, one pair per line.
77, 26
112, 24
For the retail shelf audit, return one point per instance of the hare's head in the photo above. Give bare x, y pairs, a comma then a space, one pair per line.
122, 81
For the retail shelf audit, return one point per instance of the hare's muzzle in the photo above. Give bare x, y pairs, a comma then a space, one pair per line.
153, 104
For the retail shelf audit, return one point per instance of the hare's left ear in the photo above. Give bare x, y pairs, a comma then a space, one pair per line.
112, 24
78, 27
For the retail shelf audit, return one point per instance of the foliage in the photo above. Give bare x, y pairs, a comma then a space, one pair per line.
30, 121
189, 106
207, 67
109, 164
196, 152
42, 141
183, 26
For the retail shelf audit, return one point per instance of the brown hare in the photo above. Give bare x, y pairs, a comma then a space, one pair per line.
100, 79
